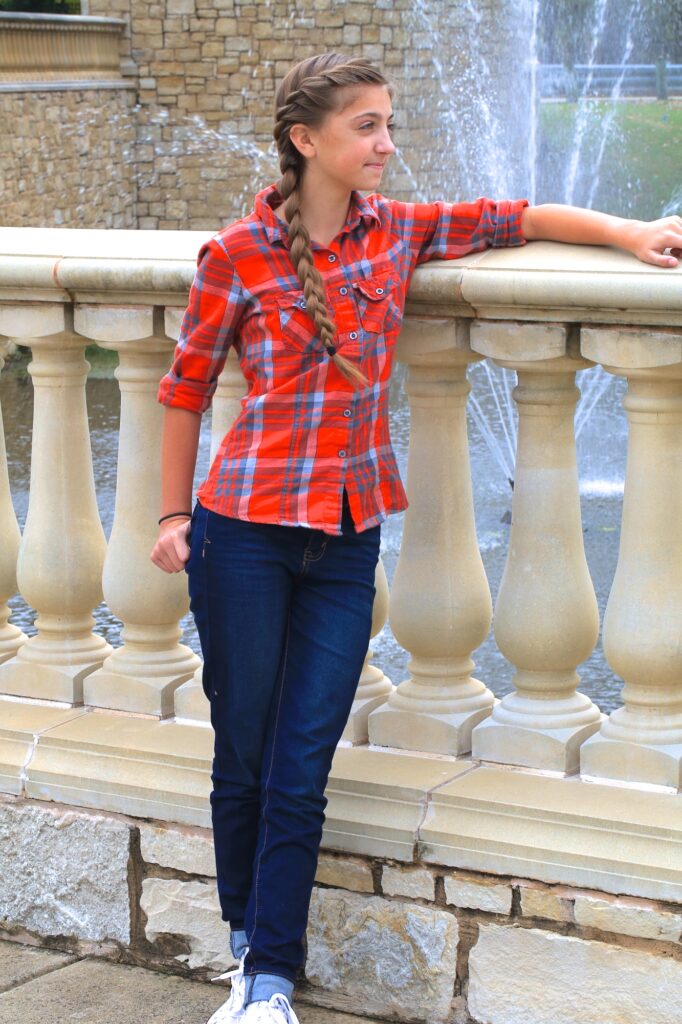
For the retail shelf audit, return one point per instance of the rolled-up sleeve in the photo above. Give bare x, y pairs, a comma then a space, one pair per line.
450, 230
215, 308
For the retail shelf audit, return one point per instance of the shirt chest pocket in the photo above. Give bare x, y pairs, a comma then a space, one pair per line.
296, 327
378, 302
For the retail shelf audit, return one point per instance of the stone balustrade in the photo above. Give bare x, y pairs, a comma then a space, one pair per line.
57, 48
478, 781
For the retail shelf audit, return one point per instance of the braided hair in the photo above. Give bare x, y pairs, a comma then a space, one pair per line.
309, 91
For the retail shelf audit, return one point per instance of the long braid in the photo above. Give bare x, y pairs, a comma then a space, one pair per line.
308, 92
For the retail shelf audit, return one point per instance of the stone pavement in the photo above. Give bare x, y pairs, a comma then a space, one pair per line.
41, 986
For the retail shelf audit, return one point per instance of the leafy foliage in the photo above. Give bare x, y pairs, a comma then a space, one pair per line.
41, 6
637, 31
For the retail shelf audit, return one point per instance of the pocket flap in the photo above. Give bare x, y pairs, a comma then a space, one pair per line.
291, 300
374, 288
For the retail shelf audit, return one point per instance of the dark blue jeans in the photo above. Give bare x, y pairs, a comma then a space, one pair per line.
284, 616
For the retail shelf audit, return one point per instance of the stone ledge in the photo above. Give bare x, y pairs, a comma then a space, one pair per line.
382, 802
21, 725
540, 281
72, 85
558, 830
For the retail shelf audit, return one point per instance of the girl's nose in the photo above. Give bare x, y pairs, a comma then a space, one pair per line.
386, 143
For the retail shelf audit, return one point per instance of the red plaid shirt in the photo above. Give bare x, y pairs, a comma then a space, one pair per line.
304, 432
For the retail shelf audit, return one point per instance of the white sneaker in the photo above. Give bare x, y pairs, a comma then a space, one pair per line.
275, 1010
233, 1008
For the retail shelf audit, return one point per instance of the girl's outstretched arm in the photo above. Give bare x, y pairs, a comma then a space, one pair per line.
648, 240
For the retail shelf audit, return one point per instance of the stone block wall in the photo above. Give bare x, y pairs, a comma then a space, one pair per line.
208, 70
403, 942
67, 158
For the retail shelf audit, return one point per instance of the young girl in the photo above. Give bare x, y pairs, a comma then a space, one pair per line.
310, 289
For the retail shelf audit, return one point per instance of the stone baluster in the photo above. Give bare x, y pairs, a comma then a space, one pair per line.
59, 570
642, 741
11, 638
190, 699
440, 606
374, 687
546, 616
144, 672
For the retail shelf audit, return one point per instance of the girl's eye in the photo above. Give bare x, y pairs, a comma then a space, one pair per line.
391, 127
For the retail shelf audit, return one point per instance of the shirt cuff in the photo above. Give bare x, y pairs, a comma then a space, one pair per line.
194, 396
508, 223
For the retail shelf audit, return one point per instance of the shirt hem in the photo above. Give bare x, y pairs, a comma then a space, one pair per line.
333, 529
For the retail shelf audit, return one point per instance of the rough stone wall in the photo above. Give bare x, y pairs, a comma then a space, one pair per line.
412, 942
198, 145
67, 159
208, 70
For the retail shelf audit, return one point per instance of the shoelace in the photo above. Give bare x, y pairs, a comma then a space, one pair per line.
236, 1000
276, 1011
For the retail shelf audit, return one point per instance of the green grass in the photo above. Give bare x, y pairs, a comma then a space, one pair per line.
102, 361
641, 167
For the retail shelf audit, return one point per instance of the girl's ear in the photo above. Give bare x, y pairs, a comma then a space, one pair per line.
300, 137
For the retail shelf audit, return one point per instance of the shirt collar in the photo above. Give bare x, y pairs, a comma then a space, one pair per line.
359, 210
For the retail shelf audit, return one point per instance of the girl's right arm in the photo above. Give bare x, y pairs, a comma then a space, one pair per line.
179, 446
209, 325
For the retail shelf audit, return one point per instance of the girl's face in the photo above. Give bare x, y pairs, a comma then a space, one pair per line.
351, 147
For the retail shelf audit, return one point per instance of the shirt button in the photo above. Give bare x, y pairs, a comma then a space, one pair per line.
342, 453
353, 335
380, 291
331, 257
343, 291
346, 412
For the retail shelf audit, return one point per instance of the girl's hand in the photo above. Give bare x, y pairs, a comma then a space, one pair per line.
648, 240
171, 550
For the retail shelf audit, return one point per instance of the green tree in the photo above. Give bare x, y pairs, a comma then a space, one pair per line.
41, 6
643, 31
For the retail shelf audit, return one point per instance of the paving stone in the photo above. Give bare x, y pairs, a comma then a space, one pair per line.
99, 992
20, 963
316, 1015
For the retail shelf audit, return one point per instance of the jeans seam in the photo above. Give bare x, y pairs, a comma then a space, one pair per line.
206, 539
267, 794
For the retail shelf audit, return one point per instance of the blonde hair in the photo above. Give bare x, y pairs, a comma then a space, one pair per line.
308, 92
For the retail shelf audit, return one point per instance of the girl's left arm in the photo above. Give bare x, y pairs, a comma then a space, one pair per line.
648, 240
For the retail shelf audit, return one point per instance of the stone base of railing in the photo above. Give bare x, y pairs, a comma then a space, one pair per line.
448, 890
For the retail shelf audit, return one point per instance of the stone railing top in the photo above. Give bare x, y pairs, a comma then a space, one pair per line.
540, 281
16, 19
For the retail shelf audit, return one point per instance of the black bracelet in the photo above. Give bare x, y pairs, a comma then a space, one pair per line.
172, 515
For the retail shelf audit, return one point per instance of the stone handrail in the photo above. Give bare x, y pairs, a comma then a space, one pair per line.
545, 311
57, 48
